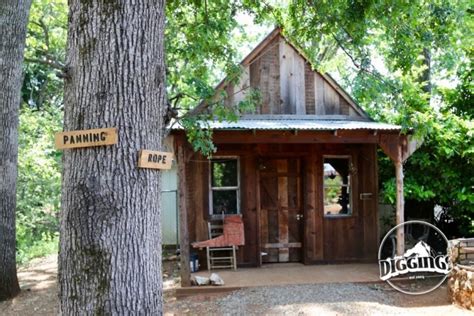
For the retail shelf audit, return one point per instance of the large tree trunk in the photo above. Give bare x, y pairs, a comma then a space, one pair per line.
110, 252
425, 76
13, 22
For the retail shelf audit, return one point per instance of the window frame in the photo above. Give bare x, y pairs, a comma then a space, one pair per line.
212, 189
350, 186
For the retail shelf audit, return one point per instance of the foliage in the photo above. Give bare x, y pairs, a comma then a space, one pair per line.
39, 183
39, 178
197, 126
202, 40
405, 62
45, 42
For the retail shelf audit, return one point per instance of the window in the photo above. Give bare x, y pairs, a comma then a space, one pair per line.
337, 186
224, 182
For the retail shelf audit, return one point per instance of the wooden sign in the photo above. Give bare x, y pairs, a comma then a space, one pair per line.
86, 138
154, 159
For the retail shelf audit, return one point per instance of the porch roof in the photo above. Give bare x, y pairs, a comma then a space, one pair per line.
298, 122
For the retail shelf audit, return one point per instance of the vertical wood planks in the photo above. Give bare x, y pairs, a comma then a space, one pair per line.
183, 223
269, 216
283, 253
291, 80
331, 99
344, 106
310, 101
254, 71
265, 75
248, 184
241, 89
272, 65
319, 233
285, 81
298, 95
288, 85
319, 94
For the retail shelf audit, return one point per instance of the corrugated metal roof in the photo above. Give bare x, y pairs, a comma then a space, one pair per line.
299, 124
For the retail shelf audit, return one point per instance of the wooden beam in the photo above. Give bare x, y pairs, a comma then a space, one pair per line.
392, 143
259, 213
400, 207
183, 217
409, 146
398, 148
287, 137
283, 245
283, 236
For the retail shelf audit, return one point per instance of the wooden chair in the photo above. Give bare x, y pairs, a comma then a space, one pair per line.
220, 257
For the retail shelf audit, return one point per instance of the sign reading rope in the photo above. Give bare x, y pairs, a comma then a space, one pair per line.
86, 138
154, 159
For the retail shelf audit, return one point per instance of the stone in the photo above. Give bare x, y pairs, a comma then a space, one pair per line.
216, 279
199, 280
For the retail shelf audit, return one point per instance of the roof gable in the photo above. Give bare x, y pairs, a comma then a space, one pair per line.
288, 83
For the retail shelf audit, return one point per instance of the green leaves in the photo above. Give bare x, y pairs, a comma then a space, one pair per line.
45, 43
198, 128
198, 47
39, 182
409, 63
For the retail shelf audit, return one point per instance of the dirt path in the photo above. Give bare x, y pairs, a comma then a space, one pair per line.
39, 297
39, 290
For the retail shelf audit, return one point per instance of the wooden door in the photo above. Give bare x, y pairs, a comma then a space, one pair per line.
281, 211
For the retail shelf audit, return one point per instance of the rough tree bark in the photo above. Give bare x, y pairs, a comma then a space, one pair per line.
110, 248
13, 22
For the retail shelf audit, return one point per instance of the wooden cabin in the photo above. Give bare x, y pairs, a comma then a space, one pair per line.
301, 170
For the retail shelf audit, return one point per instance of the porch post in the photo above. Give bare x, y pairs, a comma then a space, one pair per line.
183, 218
399, 148
400, 203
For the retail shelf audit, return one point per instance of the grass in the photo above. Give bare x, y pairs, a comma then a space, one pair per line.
40, 248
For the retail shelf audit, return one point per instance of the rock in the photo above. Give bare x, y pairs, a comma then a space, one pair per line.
172, 258
199, 280
216, 279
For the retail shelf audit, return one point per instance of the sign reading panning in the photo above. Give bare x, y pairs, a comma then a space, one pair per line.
86, 138
154, 159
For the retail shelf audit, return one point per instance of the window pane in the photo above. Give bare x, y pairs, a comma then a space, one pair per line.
224, 201
224, 173
337, 187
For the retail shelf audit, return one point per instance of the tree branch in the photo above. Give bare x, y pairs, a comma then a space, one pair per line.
205, 105
359, 66
48, 62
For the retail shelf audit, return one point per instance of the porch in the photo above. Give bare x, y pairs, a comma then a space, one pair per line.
281, 193
285, 274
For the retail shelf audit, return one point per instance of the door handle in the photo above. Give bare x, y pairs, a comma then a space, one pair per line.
299, 216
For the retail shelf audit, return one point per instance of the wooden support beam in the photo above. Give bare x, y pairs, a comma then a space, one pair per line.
399, 148
183, 218
409, 145
400, 208
289, 137
392, 143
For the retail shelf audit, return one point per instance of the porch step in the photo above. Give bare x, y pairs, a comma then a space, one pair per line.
204, 290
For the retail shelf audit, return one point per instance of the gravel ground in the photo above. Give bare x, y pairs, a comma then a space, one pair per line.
320, 299
39, 297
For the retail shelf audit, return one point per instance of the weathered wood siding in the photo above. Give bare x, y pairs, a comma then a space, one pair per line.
291, 80
324, 239
264, 74
288, 85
